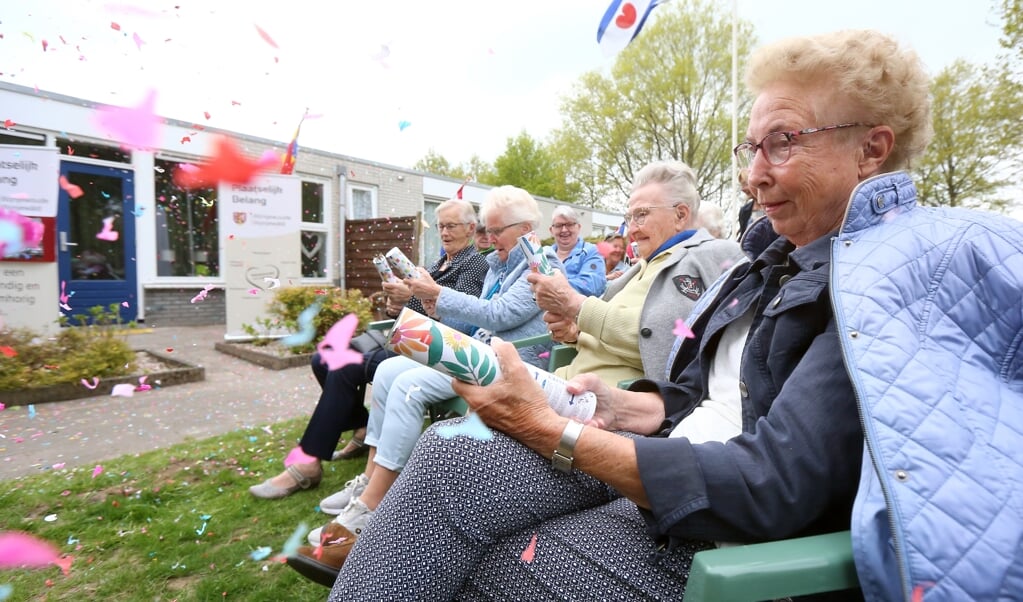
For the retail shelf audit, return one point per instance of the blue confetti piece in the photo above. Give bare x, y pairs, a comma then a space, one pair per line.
6, 590
296, 539
31, 411
71, 540
307, 328
261, 552
253, 438
471, 426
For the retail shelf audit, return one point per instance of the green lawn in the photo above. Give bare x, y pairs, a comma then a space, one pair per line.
174, 524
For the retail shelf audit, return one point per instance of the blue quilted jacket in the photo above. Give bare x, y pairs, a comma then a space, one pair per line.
929, 308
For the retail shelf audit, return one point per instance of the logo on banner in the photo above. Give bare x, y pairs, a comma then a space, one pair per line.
240, 217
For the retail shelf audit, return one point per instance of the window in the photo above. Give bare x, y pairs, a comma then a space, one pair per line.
187, 236
80, 148
362, 202
315, 250
22, 138
431, 236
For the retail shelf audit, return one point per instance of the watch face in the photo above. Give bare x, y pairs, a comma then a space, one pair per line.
562, 463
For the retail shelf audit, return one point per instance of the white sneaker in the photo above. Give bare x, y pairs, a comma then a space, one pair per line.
336, 503
355, 516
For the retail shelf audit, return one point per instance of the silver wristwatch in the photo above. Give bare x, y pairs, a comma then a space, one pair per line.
563, 456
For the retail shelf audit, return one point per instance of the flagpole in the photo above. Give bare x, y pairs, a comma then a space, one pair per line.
735, 98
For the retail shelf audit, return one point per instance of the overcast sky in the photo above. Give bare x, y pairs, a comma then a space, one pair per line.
464, 75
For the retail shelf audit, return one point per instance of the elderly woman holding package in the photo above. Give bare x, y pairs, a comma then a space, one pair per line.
875, 349
403, 387
628, 331
341, 404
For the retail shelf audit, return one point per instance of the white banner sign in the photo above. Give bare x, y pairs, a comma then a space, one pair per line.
28, 296
28, 179
259, 232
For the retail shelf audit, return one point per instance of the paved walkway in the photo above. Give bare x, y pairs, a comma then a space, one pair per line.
86, 431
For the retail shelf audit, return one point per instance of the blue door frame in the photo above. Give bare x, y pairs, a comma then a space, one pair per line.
96, 239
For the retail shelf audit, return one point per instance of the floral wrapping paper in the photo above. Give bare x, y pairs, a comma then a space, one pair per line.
402, 266
533, 249
459, 355
384, 269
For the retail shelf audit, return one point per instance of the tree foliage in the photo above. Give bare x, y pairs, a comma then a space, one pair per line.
978, 119
528, 164
475, 169
668, 96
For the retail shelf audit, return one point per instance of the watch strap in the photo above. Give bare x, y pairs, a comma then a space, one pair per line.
565, 454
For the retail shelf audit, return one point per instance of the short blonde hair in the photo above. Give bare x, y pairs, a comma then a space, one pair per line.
888, 84
513, 204
678, 180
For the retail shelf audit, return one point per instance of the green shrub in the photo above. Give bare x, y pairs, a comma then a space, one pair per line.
74, 353
289, 302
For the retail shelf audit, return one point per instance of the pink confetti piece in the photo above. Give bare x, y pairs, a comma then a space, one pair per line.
2, 407
9, 123
98, 470
138, 40
124, 304
135, 127
95, 383
201, 296
544, 355
682, 330
298, 456
64, 563
334, 349
73, 190
253, 291
18, 233
123, 390
115, 26
108, 233
605, 248
23, 550
266, 37
530, 552
58, 465
143, 386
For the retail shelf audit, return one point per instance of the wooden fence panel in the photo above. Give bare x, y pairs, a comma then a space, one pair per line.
365, 238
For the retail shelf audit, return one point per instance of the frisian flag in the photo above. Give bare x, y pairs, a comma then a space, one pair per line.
622, 23
288, 165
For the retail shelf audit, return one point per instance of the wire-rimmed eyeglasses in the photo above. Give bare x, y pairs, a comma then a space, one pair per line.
777, 146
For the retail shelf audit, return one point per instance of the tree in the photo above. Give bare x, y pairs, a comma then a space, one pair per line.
668, 96
978, 119
475, 169
528, 164
1012, 27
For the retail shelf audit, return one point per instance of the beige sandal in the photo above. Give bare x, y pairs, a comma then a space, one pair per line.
267, 491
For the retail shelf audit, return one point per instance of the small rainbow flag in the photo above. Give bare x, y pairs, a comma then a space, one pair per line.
289, 158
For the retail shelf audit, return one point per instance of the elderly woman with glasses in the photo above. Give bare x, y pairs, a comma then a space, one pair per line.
402, 388
628, 332
584, 266
341, 404
874, 346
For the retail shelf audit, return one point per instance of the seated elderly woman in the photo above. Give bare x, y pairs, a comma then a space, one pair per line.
582, 263
403, 388
614, 262
628, 331
341, 406
880, 376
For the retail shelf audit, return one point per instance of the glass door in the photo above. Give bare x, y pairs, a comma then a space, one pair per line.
96, 239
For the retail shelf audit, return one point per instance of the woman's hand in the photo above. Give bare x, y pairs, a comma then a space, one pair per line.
614, 274
618, 409
397, 293
563, 329
554, 294
430, 307
514, 403
423, 287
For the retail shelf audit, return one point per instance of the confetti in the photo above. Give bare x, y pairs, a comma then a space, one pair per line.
296, 539
471, 426
8, 351
58, 465
2, 407
73, 190
261, 552
31, 411
5, 591
122, 390
23, 550
50, 518
108, 233
115, 26
137, 212
143, 386
227, 165
138, 40
605, 248
682, 330
95, 383
201, 296
18, 233
9, 124
134, 128
530, 551
403, 124
98, 470
254, 291
124, 304
274, 282
266, 37
334, 351
305, 323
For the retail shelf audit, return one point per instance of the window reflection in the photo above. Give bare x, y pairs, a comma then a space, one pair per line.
186, 226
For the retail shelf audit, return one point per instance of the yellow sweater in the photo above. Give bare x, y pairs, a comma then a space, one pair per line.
609, 329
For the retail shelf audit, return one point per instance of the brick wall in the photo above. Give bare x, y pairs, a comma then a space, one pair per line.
173, 307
